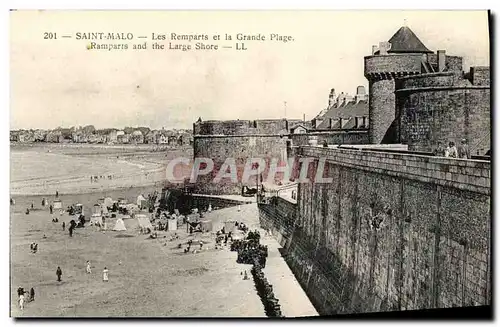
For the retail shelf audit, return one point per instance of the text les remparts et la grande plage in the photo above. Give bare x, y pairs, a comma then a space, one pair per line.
179, 41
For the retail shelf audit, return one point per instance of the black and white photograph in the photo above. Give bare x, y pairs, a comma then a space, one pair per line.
250, 164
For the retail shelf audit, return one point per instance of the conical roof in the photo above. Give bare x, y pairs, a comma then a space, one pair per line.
405, 41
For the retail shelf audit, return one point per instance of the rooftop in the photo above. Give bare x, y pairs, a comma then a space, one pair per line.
405, 41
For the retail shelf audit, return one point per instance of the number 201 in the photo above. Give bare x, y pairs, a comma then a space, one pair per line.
49, 36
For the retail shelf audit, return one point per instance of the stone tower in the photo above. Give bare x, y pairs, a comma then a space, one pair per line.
402, 55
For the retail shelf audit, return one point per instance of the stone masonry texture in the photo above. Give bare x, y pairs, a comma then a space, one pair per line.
443, 107
391, 232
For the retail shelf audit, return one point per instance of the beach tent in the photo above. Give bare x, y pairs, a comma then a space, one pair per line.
57, 204
141, 201
119, 225
206, 226
143, 221
126, 217
229, 226
96, 208
95, 219
171, 224
104, 210
108, 202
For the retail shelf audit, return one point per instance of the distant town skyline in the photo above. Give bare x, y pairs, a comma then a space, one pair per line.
60, 83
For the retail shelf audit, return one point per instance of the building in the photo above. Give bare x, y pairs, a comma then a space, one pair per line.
14, 136
150, 137
25, 136
136, 137
112, 136
424, 99
184, 138
123, 138
344, 111
54, 137
39, 135
298, 129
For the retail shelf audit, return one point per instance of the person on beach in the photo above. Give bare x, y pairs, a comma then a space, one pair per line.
32, 205
27, 211
51, 208
21, 302
57, 194
20, 294
105, 275
59, 274
32, 294
63, 226
20, 291
89, 270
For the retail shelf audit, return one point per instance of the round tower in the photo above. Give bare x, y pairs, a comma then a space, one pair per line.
403, 55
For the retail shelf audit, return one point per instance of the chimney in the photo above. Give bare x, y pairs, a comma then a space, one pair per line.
304, 119
384, 47
441, 54
374, 49
356, 122
331, 98
340, 99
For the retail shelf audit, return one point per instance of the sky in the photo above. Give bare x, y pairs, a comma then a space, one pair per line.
62, 83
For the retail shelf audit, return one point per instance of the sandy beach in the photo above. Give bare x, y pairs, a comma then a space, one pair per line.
147, 277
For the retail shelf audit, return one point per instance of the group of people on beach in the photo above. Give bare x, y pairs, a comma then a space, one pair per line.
95, 179
22, 299
59, 273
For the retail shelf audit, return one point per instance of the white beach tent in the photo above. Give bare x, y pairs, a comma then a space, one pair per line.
57, 204
143, 221
172, 224
141, 201
96, 208
104, 210
96, 219
119, 225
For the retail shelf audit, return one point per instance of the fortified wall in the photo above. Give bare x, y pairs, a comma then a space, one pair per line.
424, 99
434, 109
391, 232
346, 136
241, 140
